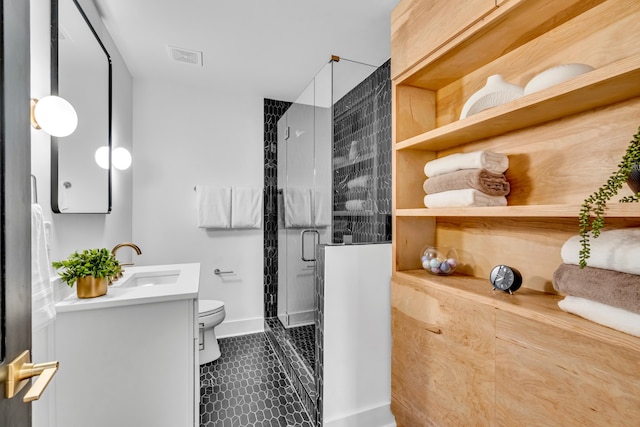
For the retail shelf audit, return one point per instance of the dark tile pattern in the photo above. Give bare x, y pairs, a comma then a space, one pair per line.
297, 370
273, 110
248, 387
303, 339
362, 149
319, 324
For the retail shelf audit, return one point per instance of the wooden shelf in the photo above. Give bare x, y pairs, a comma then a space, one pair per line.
607, 85
527, 303
614, 210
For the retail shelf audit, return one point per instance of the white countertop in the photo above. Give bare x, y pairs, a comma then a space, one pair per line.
119, 294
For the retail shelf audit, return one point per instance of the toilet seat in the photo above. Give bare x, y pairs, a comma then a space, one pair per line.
207, 307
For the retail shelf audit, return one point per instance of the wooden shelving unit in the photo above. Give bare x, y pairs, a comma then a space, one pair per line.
451, 333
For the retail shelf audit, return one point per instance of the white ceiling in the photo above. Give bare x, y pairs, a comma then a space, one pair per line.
269, 47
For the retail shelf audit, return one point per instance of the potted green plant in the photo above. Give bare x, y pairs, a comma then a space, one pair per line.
91, 269
591, 217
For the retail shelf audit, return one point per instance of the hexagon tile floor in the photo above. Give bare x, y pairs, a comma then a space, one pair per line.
247, 387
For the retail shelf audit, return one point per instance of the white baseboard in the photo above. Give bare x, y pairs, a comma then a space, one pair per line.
379, 416
232, 328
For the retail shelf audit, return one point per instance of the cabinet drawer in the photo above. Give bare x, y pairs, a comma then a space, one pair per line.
419, 27
442, 358
555, 377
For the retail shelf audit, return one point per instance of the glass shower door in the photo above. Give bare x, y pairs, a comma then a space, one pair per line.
296, 238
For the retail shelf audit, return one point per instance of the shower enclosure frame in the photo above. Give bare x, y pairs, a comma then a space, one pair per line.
294, 364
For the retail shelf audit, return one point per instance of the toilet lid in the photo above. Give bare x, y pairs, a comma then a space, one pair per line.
209, 306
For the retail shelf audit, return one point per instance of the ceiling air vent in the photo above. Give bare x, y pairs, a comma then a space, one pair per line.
185, 55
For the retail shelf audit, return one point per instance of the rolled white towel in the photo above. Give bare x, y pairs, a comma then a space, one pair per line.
463, 198
359, 182
603, 314
617, 250
358, 205
483, 159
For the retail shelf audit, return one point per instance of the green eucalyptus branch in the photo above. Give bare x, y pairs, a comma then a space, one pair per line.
591, 216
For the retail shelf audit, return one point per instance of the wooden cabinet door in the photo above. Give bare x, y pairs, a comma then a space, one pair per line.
547, 376
419, 27
442, 358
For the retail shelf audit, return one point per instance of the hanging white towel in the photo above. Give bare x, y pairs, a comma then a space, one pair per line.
43, 310
322, 208
483, 159
297, 207
246, 207
612, 317
213, 206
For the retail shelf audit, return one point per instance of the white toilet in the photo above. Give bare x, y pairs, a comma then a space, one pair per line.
210, 314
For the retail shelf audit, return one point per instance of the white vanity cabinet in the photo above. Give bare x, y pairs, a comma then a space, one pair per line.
132, 363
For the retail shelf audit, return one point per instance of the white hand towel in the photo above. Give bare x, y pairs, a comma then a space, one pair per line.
43, 310
617, 250
322, 208
483, 159
213, 206
246, 207
463, 198
603, 314
297, 207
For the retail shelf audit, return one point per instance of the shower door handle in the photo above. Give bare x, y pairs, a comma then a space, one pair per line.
317, 233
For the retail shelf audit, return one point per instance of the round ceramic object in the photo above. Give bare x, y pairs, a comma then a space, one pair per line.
555, 75
496, 92
634, 179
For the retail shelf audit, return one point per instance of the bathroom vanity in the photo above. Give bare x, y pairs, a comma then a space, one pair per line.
130, 358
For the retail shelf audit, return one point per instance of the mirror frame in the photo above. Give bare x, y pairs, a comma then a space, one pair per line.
55, 91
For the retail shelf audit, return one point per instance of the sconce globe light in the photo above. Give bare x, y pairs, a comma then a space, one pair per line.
102, 157
54, 115
120, 158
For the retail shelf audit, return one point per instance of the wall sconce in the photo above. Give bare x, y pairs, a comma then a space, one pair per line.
54, 115
120, 157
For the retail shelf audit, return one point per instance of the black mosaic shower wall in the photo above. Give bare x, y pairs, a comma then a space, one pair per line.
273, 110
362, 161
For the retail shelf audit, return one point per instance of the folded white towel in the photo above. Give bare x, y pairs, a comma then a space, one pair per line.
43, 310
213, 205
246, 207
297, 207
322, 208
603, 314
483, 159
462, 198
359, 182
617, 250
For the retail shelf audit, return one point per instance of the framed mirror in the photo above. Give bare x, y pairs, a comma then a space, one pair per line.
80, 73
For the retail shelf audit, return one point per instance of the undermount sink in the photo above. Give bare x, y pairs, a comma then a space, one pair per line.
149, 278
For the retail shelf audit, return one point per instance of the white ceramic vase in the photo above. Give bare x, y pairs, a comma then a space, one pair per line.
495, 92
554, 75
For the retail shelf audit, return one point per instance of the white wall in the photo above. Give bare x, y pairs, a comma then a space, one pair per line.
186, 136
357, 336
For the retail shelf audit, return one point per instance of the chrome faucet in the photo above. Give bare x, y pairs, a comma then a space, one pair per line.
131, 245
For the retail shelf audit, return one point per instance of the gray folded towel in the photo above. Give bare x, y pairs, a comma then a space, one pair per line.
491, 183
609, 287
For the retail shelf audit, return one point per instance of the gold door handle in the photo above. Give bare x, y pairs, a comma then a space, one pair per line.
17, 374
